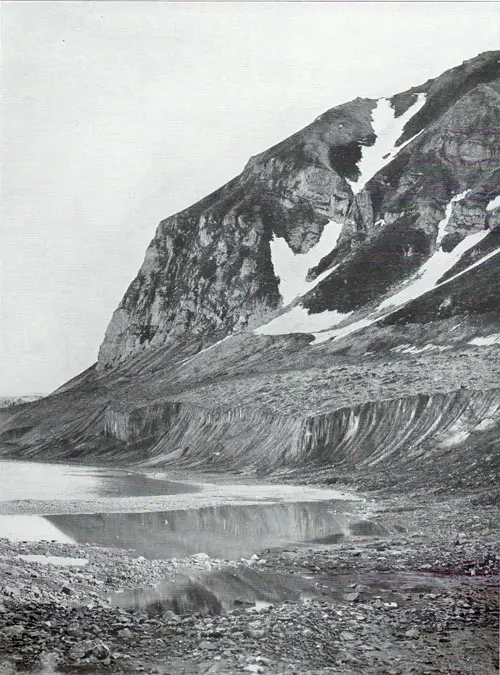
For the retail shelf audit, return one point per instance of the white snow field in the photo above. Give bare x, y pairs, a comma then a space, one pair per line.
374, 317
292, 268
387, 129
493, 204
346, 330
322, 325
297, 320
493, 339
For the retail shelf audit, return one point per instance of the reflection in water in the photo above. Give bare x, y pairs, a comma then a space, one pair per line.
217, 592
32, 480
227, 532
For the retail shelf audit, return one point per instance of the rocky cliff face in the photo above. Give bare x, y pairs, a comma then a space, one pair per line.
396, 435
387, 172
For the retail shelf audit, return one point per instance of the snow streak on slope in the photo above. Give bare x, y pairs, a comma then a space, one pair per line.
207, 349
493, 339
438, 264
387, 129
493, 204
346, 330
292, 268
374, 318
297, 320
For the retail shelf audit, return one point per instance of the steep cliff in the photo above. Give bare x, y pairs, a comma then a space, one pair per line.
396, 435
350, 206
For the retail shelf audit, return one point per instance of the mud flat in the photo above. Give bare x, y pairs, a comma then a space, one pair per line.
413, 588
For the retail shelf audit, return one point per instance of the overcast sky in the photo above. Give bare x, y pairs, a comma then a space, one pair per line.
118, 114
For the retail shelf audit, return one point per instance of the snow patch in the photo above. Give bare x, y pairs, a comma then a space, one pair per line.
321, 326
428, 348
493, 204
345, 330
387, 129
437, 265
373, 318
292, 268
493, 339
297, 320
484, 425
455, 439
400, 348
471, 267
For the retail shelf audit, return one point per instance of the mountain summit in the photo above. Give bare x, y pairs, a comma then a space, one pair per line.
329, 220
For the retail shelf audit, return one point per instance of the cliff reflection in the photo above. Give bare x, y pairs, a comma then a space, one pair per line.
226, 532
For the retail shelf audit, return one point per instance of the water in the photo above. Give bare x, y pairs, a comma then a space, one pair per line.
57, 560
31, 480
228, 532
219, 591
31, 528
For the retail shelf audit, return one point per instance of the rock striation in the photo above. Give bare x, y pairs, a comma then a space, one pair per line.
395, 434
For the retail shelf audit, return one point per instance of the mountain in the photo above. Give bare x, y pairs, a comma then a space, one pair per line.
354, 203
337, 299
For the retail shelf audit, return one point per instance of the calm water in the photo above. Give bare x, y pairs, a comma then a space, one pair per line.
31, 480
228, 532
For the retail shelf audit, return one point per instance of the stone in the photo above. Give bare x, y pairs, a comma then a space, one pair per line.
82, 649
201, 556
14, 631
412, 633
205, 644
88, 648
255, 633
101, 651
125, 634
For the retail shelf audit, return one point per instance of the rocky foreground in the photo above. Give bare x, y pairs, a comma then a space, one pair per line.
421, 600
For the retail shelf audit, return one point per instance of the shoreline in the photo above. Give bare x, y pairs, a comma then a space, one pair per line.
233, 490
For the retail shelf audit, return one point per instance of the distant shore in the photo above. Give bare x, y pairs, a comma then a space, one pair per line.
229, 491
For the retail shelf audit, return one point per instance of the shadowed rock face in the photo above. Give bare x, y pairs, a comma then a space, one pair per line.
209, 271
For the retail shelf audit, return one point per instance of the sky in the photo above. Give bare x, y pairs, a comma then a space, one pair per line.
118, 114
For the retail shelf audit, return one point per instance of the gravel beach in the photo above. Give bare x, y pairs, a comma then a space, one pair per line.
414, 591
